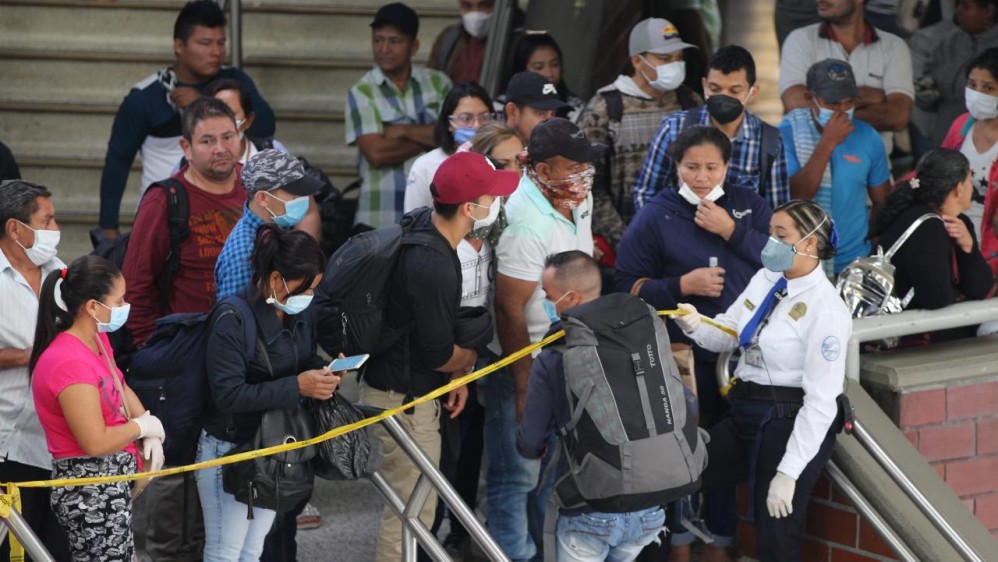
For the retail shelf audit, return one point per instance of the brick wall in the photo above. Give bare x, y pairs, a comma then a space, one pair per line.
956, 430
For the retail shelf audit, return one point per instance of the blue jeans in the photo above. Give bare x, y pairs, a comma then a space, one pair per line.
615, 537
229, 535
515, 505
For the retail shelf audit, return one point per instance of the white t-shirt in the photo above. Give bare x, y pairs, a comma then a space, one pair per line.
476, 282
980, 172
536, 230
417, 187
884, 63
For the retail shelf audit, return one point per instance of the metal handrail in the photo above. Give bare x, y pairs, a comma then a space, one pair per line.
869, 512
236, 32
910, 322
413, 530
33, 547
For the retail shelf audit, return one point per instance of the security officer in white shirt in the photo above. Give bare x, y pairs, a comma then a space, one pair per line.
793, 329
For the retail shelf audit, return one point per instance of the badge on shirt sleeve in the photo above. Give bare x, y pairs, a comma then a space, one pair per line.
798, 311
830, 348
748, 304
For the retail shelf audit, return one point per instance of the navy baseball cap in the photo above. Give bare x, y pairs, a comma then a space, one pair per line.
534, 90
832, 80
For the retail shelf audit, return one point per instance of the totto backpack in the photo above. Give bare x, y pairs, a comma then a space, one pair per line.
353, 294
113, 250
633, 441
168, 373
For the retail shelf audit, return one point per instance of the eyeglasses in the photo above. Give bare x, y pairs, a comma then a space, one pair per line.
469, 119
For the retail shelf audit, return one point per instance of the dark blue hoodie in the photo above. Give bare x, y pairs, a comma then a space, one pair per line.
663, 243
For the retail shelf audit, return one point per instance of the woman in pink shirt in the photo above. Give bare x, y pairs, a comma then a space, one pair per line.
87, 409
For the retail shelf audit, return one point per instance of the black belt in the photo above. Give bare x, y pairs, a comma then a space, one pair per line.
744, 390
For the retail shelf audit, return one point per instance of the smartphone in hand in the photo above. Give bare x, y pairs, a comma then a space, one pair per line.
351, 363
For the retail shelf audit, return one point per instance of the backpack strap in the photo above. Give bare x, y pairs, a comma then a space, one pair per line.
907, 234
614, 113
691, 118
687, 97
177, 216
245, 314
768, 152
614, 104
967, 125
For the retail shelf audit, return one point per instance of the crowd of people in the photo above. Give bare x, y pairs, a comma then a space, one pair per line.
665, 186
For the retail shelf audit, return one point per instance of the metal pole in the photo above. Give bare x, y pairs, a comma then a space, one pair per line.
914, 493
32, 546
869, 512
495, 49
447, 493
236, 32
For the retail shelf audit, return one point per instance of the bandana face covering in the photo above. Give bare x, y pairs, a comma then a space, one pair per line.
568, 192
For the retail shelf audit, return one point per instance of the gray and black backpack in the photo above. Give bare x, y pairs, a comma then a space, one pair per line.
633, 441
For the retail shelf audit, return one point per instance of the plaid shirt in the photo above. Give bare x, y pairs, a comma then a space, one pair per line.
658, 170
233, 270
374, 102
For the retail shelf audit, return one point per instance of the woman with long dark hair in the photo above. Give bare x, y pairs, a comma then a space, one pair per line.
287, 268
539, 52
94, 424
941, 263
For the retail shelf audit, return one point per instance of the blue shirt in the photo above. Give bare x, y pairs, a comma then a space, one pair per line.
858, 164
658, 171
233, 269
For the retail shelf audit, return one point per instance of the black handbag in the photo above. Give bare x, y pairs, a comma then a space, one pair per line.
351, 455
280, 481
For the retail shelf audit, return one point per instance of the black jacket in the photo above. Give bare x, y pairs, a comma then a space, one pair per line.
241, 390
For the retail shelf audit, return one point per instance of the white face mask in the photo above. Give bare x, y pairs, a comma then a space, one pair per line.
981, 106
45, 246
670, 75
492, 216
476, 23
687, 193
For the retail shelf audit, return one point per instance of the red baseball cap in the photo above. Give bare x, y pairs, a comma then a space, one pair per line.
466, 176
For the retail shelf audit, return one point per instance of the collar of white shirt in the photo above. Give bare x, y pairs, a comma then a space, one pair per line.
800, 284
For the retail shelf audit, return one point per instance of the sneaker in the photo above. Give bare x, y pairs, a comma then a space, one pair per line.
456, 545
309, 518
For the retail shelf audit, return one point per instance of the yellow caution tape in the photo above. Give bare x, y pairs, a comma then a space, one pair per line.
333, 433
11, 501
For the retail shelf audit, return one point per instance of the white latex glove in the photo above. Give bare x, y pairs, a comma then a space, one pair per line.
150, 426
780, 500
152, 452
687, 322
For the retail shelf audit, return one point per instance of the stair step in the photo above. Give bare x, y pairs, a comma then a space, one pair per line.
108, 28
422, 7
57, 134
289, 90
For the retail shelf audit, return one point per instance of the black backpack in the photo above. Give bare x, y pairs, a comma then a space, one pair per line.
168, 373
632, 442
113, 250
353, 294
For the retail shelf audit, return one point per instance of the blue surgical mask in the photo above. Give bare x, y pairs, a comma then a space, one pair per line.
778, 256
294, 304
119, 315
294, 211
551, 309
464, 134
825, 114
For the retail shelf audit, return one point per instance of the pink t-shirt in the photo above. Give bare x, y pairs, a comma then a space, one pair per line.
67, 361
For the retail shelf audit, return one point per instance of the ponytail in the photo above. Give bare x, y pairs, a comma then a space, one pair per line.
63, 294
291, 253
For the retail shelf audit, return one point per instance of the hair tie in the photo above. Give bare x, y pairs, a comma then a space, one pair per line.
915, 183
57, 293
64, 271
833, 236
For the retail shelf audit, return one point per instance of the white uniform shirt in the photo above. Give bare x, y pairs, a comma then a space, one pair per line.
21, 436
803, 345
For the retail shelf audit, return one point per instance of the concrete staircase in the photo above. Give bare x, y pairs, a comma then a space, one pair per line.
65, 65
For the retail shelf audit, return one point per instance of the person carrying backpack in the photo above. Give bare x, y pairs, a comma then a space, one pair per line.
287, 267
598, 415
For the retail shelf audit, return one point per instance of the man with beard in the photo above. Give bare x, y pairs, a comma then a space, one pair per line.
216, 197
